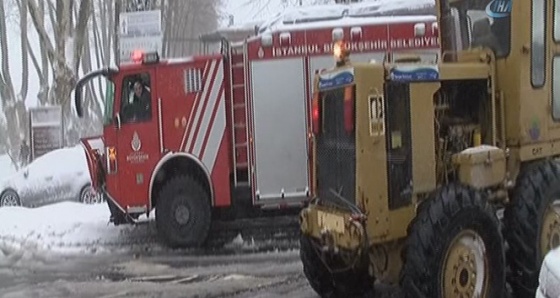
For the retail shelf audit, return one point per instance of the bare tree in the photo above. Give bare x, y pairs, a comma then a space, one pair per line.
184, 22
65, 48
13, 104
42, 67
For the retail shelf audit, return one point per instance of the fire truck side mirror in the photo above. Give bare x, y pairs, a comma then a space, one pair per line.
78, 98
106, 72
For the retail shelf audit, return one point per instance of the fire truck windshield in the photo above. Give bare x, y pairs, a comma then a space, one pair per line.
483, 23
109, 100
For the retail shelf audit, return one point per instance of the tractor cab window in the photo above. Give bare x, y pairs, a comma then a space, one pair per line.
136, 102
483, 23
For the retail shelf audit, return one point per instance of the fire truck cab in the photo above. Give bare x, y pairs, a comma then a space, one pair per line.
230, 131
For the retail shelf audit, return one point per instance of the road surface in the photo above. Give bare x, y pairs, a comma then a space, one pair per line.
156, 274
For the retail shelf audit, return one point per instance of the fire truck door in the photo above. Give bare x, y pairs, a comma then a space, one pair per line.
280, 130
137, 139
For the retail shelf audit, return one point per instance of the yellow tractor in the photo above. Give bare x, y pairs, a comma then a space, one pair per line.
440, 177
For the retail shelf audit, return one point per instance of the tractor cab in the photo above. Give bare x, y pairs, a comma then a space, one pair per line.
412, 161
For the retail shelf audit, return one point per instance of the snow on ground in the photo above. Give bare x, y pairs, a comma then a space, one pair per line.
37, 234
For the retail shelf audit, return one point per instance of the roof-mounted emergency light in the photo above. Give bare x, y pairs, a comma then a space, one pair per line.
139, 56
356, 33
434, 28
285, 38
419, 29
266, 40
337, 34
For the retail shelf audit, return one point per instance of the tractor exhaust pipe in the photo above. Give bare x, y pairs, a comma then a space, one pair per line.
446, 31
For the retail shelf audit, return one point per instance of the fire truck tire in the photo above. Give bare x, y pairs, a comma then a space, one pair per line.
355, 283
534, 202
454, 247
183, 213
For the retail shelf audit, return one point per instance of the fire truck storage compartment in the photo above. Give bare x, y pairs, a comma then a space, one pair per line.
280, 130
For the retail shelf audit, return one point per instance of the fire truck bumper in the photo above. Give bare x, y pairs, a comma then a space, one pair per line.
334, 229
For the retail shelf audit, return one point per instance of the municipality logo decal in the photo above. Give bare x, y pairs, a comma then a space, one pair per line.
136, 144
499, 8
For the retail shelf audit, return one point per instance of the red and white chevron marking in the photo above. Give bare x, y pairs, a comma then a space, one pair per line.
207, 121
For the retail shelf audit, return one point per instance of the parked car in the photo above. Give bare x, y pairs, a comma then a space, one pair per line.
60, 175
549, 277
7, 167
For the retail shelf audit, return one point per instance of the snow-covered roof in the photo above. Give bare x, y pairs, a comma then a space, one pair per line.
317, 16
235, 32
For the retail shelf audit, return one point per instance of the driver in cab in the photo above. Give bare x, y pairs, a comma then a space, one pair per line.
140, 108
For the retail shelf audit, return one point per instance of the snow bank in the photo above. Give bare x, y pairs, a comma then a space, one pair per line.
37, 234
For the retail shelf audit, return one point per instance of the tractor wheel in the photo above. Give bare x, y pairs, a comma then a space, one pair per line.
454, 247
353, 283
183, 212
532, 224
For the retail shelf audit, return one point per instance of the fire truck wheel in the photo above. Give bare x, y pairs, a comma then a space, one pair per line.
454, 247
354, 283
532, 224
183, 212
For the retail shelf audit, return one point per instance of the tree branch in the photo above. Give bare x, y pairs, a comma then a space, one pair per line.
34, 60
82, 22
7, 85
24, 50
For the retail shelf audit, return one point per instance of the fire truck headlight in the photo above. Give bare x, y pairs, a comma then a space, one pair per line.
112, 153
111, 160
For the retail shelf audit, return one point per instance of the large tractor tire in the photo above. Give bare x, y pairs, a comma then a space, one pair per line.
352, 283
532, 224
454, 247
183, 213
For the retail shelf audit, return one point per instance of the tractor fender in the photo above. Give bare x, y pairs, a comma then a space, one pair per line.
187, 164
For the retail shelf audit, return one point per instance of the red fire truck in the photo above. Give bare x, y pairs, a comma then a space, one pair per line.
198, 137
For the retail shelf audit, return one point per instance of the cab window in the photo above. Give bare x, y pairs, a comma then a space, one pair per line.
538, 52
136, 103
483, 23
556, 65
109, 101
557, 20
